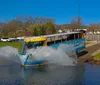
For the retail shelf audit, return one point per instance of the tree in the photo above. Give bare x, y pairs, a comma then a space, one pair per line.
11, 26
29, 25
42, 29
35, 29
94, 26
50, 28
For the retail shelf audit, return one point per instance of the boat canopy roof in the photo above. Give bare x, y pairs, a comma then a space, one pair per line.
44, 37
61, 34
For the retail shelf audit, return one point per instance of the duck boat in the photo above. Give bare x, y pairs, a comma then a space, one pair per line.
53, 40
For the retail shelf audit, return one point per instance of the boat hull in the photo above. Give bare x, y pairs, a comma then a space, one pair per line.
26, 61
35, 63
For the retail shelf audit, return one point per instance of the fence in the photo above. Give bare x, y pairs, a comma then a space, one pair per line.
93, 37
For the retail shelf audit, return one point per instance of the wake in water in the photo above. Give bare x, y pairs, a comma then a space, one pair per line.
64, 55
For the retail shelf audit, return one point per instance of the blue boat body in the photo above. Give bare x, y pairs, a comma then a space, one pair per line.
37, 62
78, 44
26, 60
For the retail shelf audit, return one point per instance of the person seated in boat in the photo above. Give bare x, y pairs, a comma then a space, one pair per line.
29, 45
31, 58
35, 45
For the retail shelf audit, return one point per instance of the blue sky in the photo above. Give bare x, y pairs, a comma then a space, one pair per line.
61, 10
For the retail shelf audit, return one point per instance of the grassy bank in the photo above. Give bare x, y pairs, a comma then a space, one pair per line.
97, 57
87, 42
13, 44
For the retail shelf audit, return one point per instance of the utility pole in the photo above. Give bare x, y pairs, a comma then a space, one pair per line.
79, 18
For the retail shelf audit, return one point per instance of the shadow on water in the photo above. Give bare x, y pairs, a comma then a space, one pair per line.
82, 53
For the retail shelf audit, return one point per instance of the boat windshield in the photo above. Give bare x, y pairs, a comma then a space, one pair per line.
34, 44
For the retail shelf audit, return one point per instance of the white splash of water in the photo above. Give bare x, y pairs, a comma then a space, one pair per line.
64, 55
8, 55
61, 56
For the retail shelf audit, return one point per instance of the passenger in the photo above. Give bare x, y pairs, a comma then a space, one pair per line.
31, 57
29, 45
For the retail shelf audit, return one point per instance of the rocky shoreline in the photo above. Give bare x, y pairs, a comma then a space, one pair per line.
92, 61
92, 50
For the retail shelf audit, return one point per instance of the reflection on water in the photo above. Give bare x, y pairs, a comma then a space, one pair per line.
15, 75
79, 75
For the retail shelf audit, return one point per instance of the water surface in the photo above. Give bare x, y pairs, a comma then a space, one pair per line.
54, 75
62, 71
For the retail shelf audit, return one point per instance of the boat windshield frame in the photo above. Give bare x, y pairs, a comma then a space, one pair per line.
31, 45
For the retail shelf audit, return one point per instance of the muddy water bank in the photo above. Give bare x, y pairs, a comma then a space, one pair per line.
86, 55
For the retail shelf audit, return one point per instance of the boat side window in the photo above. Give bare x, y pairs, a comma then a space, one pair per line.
37, 44
50, 43
29, 45
58, 41
64, 38
34, 44
78, 36
74, 36
70, 37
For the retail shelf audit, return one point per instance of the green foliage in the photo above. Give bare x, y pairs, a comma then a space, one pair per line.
22, 24
42, 29
97, 57
35, 29
87, 42
50, 28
